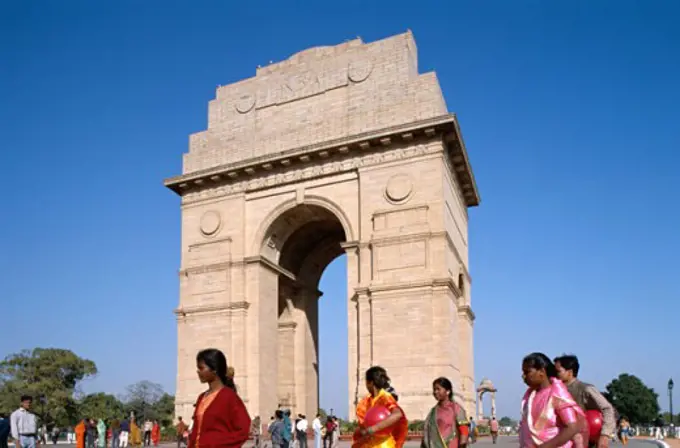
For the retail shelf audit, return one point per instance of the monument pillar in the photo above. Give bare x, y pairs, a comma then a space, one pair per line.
480, 405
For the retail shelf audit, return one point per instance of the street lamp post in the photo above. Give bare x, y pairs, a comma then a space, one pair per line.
43, 400
670, 399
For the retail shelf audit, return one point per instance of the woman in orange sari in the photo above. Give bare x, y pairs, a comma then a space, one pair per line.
80, 430
380, 394
220, 417
156, 433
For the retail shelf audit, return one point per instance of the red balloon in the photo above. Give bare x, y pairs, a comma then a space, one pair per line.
594, 419
374, 416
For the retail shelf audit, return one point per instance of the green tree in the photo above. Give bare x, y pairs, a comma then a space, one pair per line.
101, 405
666, 416
164, 410
50, 375
633, 399
141, 398
507, 421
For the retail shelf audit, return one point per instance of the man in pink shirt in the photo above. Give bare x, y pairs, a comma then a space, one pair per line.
493, 426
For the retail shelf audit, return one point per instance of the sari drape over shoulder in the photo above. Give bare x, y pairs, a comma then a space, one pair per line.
442, 426
220, 421
397, 436
546, 412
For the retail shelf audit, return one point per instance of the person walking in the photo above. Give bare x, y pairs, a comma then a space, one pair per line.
90, 434
80, 432
220, 417
156, 433
277, 430
587, 396
23, 424
493, 428
4, 430
550, 416
148, 427
182, 432
301, 431
101, 434
124, 433
316, 427
115, 433
380, 394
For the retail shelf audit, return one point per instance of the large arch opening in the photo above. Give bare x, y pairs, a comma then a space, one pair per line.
302, 242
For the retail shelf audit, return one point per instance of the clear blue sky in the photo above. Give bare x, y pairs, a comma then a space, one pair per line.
570, 115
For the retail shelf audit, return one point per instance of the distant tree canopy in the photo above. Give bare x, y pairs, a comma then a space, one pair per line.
51, 376
100, 405
633, 399
507, 421
148, 401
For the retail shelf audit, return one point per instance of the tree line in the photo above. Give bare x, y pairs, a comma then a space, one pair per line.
52, 377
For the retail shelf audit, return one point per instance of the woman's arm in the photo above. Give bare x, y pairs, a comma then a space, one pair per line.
394, 417
462, 438
239, 422
566, 434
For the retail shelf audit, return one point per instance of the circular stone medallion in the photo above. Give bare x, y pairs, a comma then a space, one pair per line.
399, 188
210, 223
359, 70
245, 103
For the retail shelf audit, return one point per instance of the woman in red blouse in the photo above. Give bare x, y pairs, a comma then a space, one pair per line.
220, 417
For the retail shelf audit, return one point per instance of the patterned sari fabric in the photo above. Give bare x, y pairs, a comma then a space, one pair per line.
442, 426
395, 439
546, 412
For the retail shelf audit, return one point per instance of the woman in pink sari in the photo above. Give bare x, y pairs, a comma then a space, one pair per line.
550, 416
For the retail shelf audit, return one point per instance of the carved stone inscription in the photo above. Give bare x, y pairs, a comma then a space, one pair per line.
305, 84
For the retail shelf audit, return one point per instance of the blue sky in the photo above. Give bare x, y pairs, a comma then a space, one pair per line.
569, 111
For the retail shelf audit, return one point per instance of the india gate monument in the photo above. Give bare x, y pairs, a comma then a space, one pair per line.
344, 149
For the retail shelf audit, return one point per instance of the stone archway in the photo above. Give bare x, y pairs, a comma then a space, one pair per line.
302, 241
344, 149
486, 386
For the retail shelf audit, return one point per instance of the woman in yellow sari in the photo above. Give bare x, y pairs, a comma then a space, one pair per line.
380, 394
135, 433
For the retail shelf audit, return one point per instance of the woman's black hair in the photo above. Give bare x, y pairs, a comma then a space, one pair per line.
217, 362
378, 376
445, 384
540, 361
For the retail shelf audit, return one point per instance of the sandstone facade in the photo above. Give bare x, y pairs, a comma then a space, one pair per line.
338, 150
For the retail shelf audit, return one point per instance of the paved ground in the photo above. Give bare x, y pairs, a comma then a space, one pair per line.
503, 442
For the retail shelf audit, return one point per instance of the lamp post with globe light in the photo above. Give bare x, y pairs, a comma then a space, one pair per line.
670, 399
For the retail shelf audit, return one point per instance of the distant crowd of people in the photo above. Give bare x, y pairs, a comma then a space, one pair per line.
22, 426
285, 433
